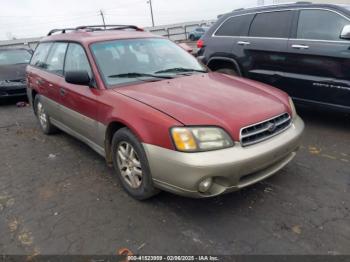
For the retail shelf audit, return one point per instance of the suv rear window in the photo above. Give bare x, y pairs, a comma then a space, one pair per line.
272, 24
40, 54
235, 26
320, 25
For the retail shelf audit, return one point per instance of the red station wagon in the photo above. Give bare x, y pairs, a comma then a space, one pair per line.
159, 116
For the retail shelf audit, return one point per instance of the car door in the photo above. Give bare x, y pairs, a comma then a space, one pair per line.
39, 79
79, 103
265, 50
52, 78
230, 38
319, 59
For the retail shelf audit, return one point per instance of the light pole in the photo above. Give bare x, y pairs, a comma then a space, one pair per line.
150, 5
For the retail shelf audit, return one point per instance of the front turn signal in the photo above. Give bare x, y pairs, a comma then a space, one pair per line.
183, 139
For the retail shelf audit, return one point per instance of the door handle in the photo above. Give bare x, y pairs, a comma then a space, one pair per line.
63, 92
300, 46
243, 43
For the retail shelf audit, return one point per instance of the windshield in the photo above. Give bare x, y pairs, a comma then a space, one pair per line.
127, 61
11, 57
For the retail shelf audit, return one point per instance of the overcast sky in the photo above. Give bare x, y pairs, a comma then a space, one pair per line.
32, 18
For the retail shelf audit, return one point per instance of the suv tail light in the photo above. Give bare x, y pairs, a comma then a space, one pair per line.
200, 43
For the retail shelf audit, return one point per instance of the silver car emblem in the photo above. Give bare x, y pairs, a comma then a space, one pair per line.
271, 127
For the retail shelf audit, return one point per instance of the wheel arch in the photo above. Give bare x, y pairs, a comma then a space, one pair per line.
111, 129
33, 94
217, 62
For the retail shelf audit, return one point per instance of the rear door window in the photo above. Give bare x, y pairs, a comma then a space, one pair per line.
235, 26
55, 60
320, 25
40, 54
272, 24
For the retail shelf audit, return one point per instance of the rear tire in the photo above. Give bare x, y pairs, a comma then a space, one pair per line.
131, 165
227, 71
192, 38
44, 119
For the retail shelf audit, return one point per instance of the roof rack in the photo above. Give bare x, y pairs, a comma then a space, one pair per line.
272, 5
63, 31
92, 28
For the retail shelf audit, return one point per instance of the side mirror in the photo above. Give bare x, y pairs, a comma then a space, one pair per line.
78, 78
186, 47
345, 33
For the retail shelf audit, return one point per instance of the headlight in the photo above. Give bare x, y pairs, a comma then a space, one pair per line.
292, 106
198, 139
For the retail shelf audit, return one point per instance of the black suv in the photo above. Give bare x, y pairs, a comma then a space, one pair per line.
301, 48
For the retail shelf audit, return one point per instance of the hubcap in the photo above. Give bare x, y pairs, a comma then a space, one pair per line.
42, 115
129, 165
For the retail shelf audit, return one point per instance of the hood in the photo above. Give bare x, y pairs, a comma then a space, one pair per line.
211, 100
12, 72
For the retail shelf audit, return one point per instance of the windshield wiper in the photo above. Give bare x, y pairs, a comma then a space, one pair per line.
180, 70
137, 75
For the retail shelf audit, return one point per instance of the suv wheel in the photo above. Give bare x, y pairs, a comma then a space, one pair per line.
227, 71
192, 38
131, 165
43, 117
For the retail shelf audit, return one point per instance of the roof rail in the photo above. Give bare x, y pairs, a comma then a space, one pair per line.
92, 28
108, 27
272, 5
63, 31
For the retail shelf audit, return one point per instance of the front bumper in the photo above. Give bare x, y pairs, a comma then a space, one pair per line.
13, 91
231, 169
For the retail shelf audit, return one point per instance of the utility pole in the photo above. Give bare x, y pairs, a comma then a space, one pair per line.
103, 18
150, 5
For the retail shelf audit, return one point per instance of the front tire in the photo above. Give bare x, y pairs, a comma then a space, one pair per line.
44, 119
131, 165
192, 38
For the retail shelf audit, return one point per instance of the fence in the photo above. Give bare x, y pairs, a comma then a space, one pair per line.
175, 32
178, 32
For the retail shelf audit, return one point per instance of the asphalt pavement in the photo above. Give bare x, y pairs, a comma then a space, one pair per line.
57, 196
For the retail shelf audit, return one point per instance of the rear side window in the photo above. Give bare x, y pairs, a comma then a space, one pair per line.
235, 26
273, 24
55, 60
320, 25
76, 59
40, 54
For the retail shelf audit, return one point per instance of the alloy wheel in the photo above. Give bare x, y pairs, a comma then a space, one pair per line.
129, 165
42, 115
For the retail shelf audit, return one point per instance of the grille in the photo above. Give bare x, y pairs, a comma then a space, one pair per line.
264, 130
15, 82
